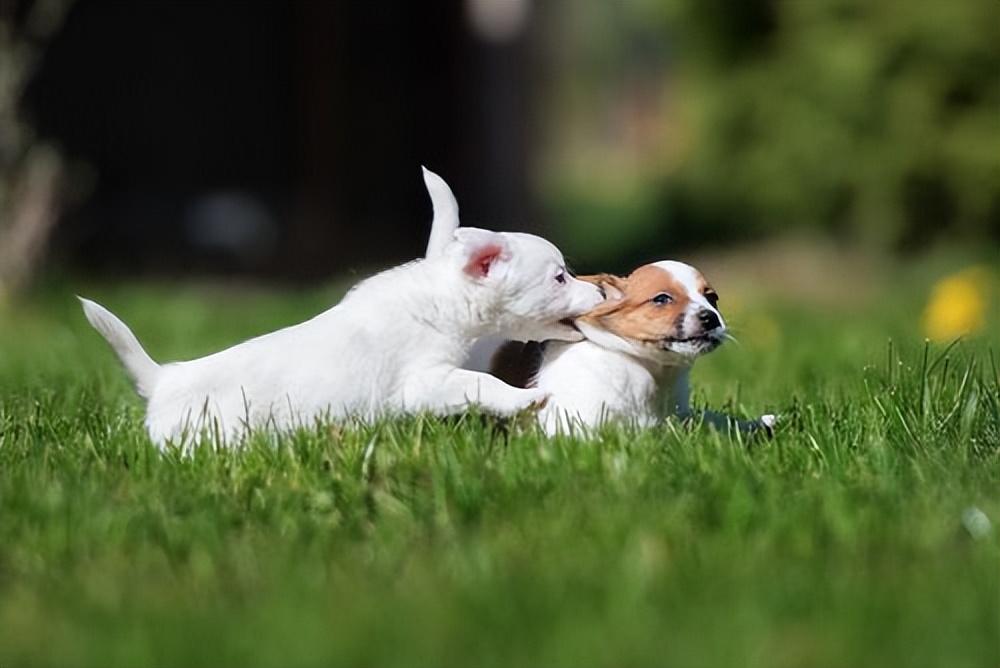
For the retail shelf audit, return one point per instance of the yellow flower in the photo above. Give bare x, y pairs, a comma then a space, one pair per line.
957, 305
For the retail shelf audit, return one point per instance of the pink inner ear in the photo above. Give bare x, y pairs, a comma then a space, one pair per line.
482, 259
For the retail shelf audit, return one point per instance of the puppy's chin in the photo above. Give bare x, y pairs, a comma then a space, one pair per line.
611, 341
565, 334
563, 330
692, 347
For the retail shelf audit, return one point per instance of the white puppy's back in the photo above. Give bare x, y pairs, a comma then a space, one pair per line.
325, 365
248, 385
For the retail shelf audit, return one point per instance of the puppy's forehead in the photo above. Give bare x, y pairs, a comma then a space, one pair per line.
536, 246
675, 278
689, 277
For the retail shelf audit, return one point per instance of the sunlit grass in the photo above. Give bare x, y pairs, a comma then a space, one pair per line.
855, 537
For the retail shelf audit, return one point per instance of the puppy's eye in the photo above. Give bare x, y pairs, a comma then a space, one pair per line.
561, 277
662, 298
712, 298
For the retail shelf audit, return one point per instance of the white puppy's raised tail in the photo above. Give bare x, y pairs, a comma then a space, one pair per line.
445, 213
140, 366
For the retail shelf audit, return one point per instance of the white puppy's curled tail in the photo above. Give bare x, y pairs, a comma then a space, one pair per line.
137, 363
445, 213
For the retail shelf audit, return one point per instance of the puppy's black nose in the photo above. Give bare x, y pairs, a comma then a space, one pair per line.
709, 319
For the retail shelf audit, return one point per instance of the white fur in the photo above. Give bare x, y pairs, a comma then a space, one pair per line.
393, 345
589, 384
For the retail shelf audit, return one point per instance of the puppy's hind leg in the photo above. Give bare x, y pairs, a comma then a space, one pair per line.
764, 424
681, 407
462, 388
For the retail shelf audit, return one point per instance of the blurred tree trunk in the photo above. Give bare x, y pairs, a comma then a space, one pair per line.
30, 170
383, 88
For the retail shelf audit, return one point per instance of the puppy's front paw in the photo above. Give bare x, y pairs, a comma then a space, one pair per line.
516, 401
537, 401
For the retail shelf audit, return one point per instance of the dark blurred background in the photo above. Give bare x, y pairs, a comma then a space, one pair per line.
284, 139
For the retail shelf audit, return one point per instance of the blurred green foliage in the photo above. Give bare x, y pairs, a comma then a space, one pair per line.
876, 123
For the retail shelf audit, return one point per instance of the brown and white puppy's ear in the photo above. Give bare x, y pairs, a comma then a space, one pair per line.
612, 286
484, 253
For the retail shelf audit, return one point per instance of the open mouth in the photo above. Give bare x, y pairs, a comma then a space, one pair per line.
710, 339
569, 322
693, 339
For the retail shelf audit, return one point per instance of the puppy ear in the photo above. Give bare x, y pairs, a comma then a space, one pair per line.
615, 289
482, 250
613, 286
603, 310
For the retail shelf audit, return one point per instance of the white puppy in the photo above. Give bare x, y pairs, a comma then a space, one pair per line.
395, 344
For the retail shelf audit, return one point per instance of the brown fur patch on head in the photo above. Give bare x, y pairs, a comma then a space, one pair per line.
635, 315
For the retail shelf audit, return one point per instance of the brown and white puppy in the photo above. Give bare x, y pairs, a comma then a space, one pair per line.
634, 366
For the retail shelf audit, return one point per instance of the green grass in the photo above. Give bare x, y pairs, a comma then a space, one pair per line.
454, 543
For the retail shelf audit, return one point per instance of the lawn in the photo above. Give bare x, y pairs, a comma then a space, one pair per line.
860, 535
